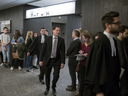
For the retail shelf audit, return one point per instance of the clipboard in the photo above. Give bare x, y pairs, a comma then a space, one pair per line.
80, 57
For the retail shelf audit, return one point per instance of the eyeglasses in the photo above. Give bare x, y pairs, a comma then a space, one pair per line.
5, 30
117, 23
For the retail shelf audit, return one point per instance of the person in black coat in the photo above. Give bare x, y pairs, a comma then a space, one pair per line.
102, 64
122, 36
53, 55
72, 63
37, 44
34, 53
28, 42
97, 35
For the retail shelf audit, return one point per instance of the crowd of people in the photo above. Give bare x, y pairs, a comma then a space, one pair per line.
99, 63
19, 49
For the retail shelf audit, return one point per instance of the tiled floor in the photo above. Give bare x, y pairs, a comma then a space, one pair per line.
20, 83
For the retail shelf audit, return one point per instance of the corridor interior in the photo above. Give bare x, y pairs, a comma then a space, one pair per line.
21, 83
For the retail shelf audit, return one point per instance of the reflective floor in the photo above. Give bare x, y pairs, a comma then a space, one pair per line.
21, 83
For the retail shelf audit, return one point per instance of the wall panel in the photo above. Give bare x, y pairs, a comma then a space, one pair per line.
93, 10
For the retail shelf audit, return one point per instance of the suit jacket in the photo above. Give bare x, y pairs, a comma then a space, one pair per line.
36, 45
29, 41
46, 50
74, 48
0, 46
122, 63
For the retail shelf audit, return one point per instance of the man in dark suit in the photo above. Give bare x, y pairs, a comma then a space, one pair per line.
53, 55
36, 46
72, 63
121, 38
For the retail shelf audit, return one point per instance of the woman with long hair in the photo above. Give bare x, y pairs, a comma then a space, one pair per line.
34, 35
28, 36
86, 41
15, 40
28, 42
34, 59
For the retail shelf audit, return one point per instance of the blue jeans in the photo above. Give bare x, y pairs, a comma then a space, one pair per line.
6, 53
28, 60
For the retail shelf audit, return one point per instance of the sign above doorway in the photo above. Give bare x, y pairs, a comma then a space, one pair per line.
55, 10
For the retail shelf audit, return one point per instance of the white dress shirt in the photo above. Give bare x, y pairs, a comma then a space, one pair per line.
110, 37
80, 37
53, 43
75, 39
42, 39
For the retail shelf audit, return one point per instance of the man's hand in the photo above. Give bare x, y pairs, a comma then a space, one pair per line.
41, 63
5, 49
62, 65
100, 94
28, 54
80, 51
4, 45
14, 43
85, 54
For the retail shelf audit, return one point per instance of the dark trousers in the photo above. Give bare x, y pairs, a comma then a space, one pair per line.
56, 65
28, 61
124, 84
17, 62
31, 61
42, 69
1, 55
112, 89
81, 78
72, 63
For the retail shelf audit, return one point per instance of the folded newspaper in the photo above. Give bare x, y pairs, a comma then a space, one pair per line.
80, 57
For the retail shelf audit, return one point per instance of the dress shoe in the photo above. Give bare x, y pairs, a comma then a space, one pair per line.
70, 89
41, 80
28, 70
35, 67
54, 92
46, 92
79, 94
69, 85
